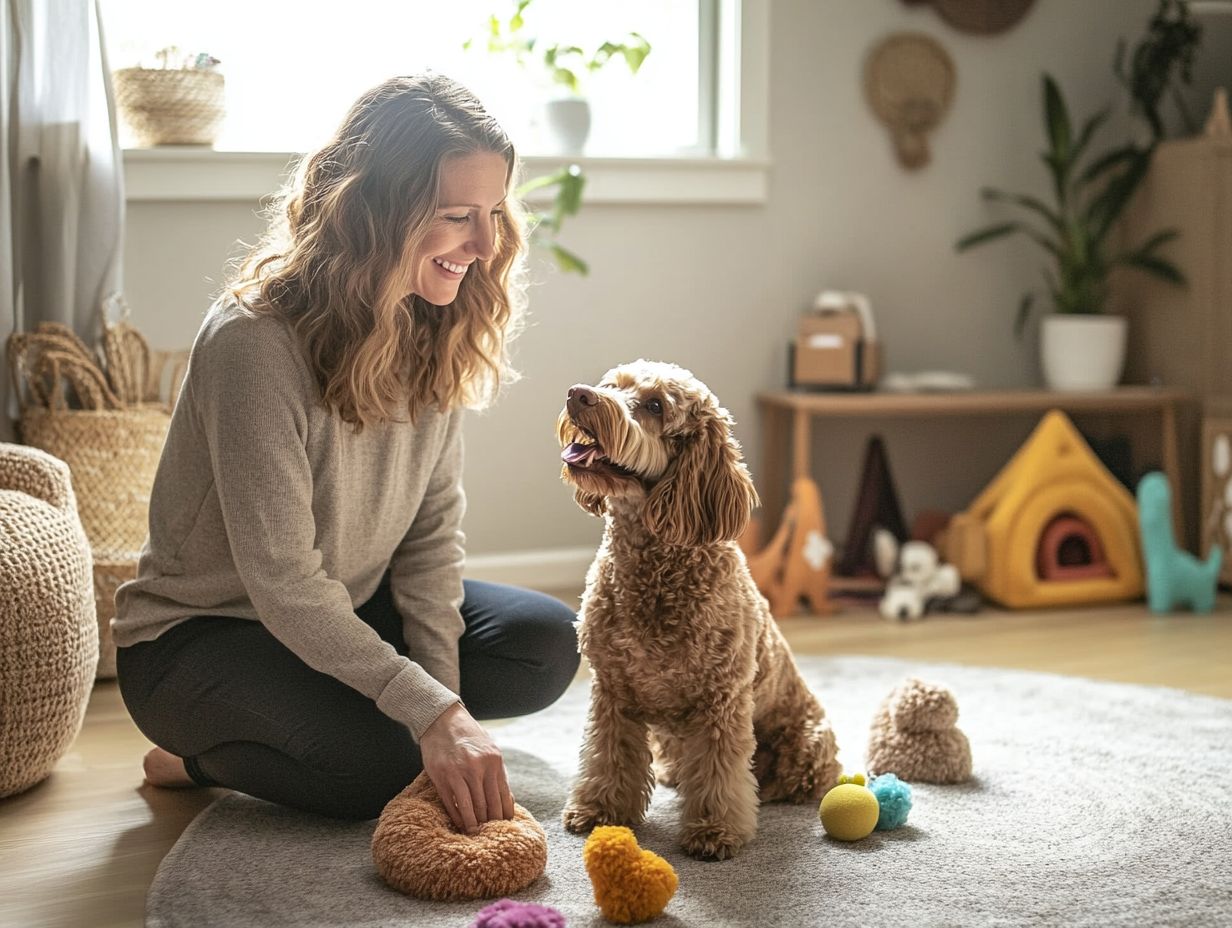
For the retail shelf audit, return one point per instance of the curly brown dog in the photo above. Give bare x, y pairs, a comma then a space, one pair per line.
692, 679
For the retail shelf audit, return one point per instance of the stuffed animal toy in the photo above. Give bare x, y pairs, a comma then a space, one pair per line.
418, 851
509, 913
914, 735
631, 885
916, 580
1173, 577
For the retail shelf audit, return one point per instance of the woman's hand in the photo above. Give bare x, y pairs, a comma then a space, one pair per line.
466, 768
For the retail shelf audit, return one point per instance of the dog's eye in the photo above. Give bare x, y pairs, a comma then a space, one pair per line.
654, 407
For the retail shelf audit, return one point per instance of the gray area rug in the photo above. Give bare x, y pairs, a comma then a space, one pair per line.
1092, 804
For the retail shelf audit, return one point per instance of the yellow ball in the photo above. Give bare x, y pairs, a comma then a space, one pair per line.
849, 812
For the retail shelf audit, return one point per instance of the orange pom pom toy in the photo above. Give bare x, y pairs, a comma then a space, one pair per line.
631, 885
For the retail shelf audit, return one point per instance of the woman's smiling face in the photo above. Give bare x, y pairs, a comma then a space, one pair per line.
472, 190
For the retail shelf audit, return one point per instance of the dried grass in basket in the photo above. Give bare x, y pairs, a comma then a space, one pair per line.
171, 106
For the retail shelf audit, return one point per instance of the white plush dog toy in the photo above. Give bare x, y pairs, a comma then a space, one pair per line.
915, 577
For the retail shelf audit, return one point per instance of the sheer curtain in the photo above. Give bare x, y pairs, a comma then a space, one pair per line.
61, 181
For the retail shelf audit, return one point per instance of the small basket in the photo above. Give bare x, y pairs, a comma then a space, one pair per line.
170, 106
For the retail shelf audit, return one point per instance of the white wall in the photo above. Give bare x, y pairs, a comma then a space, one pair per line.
718, 289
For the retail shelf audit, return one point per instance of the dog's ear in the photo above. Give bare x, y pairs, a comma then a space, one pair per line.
706, 495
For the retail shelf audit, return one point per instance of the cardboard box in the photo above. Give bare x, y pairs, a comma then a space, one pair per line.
830, 352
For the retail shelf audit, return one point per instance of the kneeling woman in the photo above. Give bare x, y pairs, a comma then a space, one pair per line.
299, 628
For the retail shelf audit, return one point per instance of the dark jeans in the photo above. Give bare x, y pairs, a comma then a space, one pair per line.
244, 712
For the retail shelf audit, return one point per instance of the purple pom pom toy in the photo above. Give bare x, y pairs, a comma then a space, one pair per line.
508, 913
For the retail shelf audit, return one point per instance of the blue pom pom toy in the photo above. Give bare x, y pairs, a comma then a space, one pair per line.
894, 798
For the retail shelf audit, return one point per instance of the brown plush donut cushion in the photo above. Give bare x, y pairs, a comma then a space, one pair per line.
417, 850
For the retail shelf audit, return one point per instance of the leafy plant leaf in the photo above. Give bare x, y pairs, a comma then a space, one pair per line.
1057, 117
568, 261
1116, 158
1159, 238
987, 234
569, 181
1057, 125
570, 177
1108, 205
1154, 265
1027, 202
1024, 313
635, 52
1001, 230
1089, 128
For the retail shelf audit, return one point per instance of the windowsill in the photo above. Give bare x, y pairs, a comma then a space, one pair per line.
190, 173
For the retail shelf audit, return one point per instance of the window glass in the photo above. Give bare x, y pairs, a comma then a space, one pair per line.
293, 68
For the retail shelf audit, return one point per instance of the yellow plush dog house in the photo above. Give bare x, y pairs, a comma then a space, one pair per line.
1053, 528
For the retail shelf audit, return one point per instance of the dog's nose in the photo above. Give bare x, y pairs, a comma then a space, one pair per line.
579, 397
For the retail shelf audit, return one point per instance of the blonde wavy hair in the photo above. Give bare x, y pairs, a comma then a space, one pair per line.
336, 260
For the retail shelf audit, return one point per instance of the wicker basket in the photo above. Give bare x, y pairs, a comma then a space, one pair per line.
100, 413
113, 455
170, 106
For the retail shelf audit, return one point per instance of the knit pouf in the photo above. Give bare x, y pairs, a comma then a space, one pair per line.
48, 630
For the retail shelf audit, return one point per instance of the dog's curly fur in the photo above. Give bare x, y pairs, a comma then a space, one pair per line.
692, 679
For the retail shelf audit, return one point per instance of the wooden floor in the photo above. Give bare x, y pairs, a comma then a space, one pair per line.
81, 848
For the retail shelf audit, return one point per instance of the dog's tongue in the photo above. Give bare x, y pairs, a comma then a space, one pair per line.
578, 454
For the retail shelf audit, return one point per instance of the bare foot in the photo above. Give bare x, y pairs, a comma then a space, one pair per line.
162, 768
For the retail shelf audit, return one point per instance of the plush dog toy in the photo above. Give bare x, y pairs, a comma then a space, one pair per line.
417, 849
915, 735
916, 580
1173, 577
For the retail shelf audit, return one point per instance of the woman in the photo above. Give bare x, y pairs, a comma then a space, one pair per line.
299, 628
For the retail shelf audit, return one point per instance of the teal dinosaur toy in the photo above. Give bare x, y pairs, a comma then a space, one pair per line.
1173, 577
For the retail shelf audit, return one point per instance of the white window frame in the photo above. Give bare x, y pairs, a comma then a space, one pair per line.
736, 174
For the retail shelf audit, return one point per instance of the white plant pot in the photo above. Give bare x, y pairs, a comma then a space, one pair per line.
1080, 352
569, 124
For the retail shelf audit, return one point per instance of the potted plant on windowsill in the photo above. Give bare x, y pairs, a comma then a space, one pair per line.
1081, 347
566, 66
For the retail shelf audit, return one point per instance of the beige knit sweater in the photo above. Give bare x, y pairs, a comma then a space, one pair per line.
268, 507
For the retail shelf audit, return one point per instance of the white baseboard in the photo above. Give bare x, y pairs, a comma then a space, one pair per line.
551, 569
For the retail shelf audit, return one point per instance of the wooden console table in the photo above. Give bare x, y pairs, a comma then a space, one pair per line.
786, 418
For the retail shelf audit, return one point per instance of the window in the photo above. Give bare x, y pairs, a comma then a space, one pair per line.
292, 71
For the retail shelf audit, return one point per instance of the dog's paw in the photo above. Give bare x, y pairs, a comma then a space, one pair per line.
711, 841
580, 818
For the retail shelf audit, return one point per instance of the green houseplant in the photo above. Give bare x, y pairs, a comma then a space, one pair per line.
1076, 231
569, 182
565, 65
1159, 63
